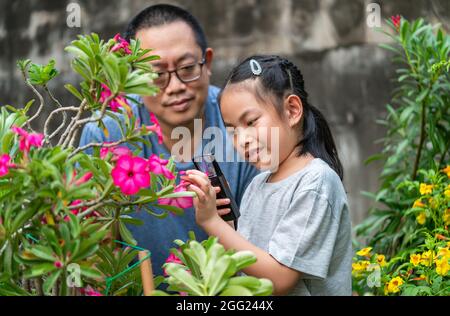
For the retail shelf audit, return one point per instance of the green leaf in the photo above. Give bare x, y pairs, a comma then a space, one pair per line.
42, 252
50, 282
74, 91
177, 272
243, 259
39, 269
236, 290
90, 272
126, 234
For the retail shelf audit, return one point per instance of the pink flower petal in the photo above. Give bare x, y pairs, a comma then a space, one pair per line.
129, 187
125, 163
139, 165
119, 176
141, 179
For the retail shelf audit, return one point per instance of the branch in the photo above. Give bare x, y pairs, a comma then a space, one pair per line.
444, 154
110, 145
95, 206
92, 119
47, 122
422, 138
59, 105
64, 138
41, 99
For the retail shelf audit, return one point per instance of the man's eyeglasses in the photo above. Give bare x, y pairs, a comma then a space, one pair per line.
185, 74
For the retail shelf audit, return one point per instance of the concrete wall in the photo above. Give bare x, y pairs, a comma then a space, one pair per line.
346, 74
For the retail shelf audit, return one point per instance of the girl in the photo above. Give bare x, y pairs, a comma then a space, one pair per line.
295, 217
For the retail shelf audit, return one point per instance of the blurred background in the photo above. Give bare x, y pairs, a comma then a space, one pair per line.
347, 75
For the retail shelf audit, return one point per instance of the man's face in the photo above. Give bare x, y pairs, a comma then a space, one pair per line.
179, 103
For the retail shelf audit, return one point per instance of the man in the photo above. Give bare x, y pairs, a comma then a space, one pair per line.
185, 94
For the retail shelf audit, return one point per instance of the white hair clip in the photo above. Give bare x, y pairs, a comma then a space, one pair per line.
255, 67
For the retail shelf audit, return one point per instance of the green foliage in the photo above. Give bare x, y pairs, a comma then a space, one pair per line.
422, 268
418, 135
409, 233
95, 63
51, 219
208, 270
41, 74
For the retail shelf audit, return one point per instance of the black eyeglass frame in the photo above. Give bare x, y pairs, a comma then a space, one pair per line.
201, 64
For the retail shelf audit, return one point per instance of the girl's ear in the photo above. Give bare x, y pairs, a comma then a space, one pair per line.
293, 109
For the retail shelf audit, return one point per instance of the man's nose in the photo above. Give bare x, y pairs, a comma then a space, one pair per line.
175, 85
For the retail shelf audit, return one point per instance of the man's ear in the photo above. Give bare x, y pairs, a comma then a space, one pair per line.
209, 56
293, 109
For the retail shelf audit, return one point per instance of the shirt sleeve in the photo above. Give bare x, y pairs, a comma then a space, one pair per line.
91, 134
305, 236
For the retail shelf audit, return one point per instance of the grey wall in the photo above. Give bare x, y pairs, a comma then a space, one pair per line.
346, 74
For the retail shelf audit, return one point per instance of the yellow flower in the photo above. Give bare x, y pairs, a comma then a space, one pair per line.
418, 203
447, 193
415, 259
394, 284
442, 266
444, 253
360, 266
448, 244
356, 267
426, 259
421, 218
447, 171
364, 252
446, 217
426, 188
381, 260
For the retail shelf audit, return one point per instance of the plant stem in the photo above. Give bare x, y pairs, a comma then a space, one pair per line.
47, 122
444, 154
421, 142
92, 119
103, 145
59, 105
38, 285
63, 290
41, 100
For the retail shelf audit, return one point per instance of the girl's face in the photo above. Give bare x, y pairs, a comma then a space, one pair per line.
259, 134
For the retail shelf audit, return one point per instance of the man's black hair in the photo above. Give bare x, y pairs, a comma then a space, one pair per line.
161, 14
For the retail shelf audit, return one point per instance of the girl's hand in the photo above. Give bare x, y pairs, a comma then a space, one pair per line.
205, 201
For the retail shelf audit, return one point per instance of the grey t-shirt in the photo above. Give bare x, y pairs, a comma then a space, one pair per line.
303, 222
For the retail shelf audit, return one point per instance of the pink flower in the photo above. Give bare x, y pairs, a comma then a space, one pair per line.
85, 178
58, 264
5, 164
89, 291
27, 140
172, 259
181, 202
122, 45
114, 104
80, 210
155, 128
116, 151
157, 165
396, 20
131, 174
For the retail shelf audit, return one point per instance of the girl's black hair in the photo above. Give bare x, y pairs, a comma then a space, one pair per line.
280, 78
